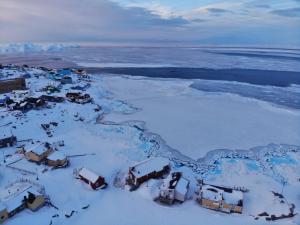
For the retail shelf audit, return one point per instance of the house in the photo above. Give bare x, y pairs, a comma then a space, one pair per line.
78, 97
7, 139
146, 170
95, 181
50, 98
57, 159
12, 84
174, 188
220, 198
27, 198
3, 213
38, 153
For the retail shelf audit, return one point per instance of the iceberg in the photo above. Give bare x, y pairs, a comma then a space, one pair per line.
31, 47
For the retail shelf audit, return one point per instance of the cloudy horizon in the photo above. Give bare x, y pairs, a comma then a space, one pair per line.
190, 22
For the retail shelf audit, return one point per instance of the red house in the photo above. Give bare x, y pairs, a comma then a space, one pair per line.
91, 178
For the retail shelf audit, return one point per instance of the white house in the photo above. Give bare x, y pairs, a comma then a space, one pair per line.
220, 198
174, 188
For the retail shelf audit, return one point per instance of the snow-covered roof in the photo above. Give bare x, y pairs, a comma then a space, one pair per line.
182, 185
88, 174
16, 200
145, 167
6, 132
211, 193
218, 194
57, 156
2, 206
38, 149
233, 198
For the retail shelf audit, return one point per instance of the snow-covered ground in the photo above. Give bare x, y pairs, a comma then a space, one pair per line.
204, 121
152, 117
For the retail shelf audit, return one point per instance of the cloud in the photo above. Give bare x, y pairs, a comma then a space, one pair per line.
78, 20
108, 21
217, 10
290, 12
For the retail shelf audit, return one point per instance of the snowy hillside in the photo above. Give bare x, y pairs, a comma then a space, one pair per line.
223, 138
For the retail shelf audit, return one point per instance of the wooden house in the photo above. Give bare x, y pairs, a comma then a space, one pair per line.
28, 198
57, 159
7, 139
91, 178
146, 170
12, 84
220, 198
174, 188
38, 153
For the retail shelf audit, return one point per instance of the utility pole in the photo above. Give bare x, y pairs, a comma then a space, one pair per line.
284, 182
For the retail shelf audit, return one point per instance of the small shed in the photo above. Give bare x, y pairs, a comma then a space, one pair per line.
7, 139
220, 198
57, 159
174, 188
38, 153
95, 181
146, 170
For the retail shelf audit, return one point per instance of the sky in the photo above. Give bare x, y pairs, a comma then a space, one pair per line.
163, 22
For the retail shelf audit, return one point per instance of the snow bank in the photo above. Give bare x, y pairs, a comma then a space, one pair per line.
30, 47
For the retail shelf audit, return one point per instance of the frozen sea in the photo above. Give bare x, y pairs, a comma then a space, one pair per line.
191, 105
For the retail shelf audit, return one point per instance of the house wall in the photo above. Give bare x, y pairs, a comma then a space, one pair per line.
98, 183
167, 196
12, 84
209, 204
37, 203
33, 157
3, 216
221, 206
152, 175
17, 210
56, 163
7, 142
237, 209
180, 196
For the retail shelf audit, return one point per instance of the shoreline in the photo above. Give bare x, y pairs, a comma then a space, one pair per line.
250, 76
